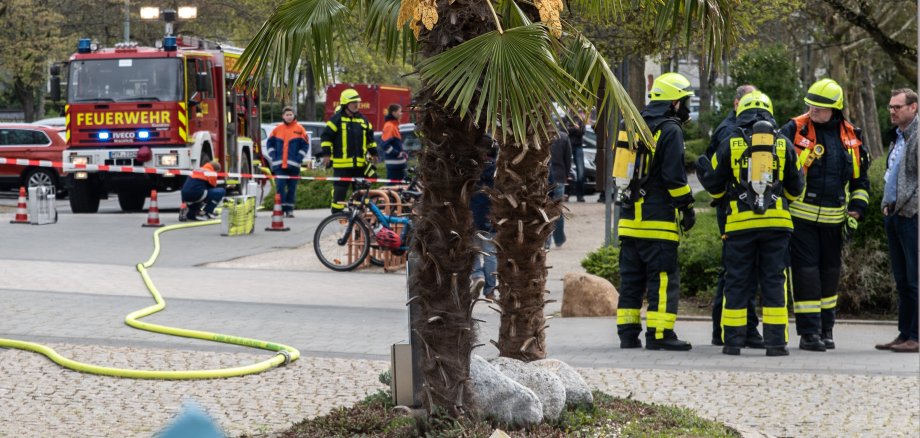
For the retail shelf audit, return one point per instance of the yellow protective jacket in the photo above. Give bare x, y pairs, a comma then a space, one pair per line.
663, 190
348, 139
729, 170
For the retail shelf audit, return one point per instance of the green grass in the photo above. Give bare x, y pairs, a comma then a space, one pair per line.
609, 417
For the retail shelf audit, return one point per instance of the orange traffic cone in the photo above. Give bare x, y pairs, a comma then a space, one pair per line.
153, 213
22, 210
277, 217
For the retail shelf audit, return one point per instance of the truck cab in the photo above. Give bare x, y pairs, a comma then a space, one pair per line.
170, 107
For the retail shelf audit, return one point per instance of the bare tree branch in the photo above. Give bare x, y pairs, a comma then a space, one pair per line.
903, 56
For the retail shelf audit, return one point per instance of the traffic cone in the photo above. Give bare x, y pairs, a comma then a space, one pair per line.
153, 213
22, 209
277, 217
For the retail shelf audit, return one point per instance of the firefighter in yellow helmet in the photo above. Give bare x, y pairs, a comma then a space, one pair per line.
348, 145
755, 170
649, 226
836, 167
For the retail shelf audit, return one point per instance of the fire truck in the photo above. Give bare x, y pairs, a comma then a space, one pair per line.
172, 106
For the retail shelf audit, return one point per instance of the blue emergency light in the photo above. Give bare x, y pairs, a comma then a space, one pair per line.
84, 45
143, 135
104, 135
169, 44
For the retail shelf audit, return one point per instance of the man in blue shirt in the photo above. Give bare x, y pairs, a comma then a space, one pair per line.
899, 205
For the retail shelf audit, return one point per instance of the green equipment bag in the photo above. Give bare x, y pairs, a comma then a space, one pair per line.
238, 215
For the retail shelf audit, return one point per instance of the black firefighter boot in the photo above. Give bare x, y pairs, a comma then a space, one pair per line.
811, 342
669, 342
827, 336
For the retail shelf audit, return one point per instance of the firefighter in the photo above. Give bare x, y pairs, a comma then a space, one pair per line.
723, 131
348, 144
287, 148
836, 195
649, 225
201, 190
756, 172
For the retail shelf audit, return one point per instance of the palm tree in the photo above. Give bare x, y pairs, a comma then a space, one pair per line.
483, 67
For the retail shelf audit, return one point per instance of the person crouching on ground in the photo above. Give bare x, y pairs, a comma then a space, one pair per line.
200, 190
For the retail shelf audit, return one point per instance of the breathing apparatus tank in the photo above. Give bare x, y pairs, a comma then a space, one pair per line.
628, 164
761, 164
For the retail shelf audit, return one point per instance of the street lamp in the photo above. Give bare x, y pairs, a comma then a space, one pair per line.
169, 15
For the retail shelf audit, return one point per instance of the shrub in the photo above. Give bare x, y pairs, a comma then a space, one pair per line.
313, 194
699, 256
866, 283
692, 150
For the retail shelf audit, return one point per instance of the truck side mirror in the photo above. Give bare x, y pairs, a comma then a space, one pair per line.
55, 88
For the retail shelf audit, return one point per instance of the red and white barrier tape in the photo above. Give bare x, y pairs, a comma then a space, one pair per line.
69, 167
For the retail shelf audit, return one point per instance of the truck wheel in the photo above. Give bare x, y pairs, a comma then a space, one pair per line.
132, 198
245, 167
83, 197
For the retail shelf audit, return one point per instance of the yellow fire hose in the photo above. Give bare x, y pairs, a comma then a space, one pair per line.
285, 354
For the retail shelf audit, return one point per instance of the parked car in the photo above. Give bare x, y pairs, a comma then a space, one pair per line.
411, 143
32, 142
54, 122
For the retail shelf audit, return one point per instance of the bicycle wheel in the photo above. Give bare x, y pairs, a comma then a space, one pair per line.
341, 257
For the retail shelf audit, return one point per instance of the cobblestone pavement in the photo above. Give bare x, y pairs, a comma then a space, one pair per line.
75, 297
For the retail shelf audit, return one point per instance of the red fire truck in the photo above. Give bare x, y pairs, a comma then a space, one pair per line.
170, 107
374, 101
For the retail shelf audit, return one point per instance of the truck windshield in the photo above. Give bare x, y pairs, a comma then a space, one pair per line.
125, 80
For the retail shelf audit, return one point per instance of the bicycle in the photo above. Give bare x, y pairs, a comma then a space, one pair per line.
343, 240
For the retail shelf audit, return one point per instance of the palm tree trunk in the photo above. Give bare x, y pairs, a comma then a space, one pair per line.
525, 217
449, 166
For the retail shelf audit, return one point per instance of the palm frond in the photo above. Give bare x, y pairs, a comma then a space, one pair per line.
601, 10
385, 32
511, 14
514, 75
713, 19
583, 61
315, 27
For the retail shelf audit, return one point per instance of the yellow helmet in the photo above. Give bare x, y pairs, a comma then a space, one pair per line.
754, 100
348, 96
670, 86
825, 93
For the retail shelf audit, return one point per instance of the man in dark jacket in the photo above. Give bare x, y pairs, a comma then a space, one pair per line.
560, 164
200, 190
576, 131
722, 132
482, 279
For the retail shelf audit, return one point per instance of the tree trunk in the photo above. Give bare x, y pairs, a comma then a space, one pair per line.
26, 96
872, 133
310, 103
449, 165
706, 80
636, 85
524, 216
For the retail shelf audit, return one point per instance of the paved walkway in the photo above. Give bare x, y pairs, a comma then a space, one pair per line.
74, 297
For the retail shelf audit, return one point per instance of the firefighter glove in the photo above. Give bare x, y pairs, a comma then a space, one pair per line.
687, 218
703, 165
852, 223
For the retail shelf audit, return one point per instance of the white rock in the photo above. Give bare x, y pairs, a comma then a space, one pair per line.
499, 397
577, 391
544, 383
